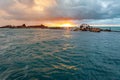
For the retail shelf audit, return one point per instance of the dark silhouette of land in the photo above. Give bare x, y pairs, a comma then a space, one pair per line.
83, 27
86, 27
24, 26
32, 26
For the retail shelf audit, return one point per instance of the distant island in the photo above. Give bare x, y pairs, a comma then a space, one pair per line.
24, 26
82, 27
32, 26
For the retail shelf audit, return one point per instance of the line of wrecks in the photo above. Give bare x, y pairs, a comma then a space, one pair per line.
86, 27
83, 27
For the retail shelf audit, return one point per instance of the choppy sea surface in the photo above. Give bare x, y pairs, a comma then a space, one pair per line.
41, 54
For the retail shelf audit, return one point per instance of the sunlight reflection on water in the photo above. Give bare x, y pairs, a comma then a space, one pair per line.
37, 54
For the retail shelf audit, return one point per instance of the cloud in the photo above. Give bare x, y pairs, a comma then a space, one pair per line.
48, 10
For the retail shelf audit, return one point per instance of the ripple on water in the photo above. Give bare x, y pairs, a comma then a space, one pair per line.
35, 54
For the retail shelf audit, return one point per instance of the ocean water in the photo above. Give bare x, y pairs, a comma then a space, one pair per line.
41, 54
113, 28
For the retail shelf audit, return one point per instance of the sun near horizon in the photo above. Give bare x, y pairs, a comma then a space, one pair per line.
61, 23
66, 25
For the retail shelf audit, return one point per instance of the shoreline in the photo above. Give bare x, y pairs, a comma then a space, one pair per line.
83, 27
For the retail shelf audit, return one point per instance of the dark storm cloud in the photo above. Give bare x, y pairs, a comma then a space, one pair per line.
90, 9
60, 9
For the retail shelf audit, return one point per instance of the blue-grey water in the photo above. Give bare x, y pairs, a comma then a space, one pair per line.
41, 54
113, 28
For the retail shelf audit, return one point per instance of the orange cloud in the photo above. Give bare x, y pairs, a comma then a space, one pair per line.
42, 6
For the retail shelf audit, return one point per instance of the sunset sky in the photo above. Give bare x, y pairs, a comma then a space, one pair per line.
59, 12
